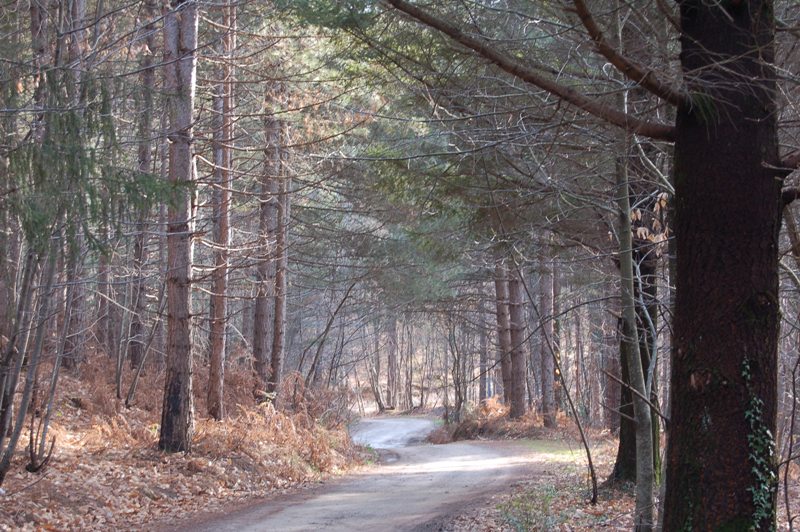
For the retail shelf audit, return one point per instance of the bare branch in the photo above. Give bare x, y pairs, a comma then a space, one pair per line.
632, 70
790, 163
611, 115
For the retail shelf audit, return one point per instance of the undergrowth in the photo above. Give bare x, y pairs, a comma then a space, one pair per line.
490, 420
531, 510
106, 456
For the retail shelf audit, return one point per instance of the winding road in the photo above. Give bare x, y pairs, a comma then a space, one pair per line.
415, 488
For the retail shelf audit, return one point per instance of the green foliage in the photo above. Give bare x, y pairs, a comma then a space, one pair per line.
342, 14
67, 170
704, 107
762, 457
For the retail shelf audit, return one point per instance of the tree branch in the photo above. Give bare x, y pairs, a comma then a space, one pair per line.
632, 70
790, 163
789, 194
613, 116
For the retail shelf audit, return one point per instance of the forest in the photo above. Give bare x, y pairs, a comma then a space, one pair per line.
229, 230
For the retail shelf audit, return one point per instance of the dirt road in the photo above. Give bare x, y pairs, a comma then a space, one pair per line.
417, 486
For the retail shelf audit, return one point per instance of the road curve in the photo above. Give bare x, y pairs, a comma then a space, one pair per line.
424, 483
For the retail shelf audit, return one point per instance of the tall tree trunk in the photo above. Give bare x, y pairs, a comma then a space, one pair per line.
391, 363
218, 302
374, 368
483, 347
546, 324
556, 338
645, 474
519, 366
180, 42
281, 272
223, 175
264, 313
409, 373
580, 367
727, 220
504, 344
103, 294
644, 293
147, 78
74, 323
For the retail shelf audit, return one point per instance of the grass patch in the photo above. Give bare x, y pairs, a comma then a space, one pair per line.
532, 510
554, 448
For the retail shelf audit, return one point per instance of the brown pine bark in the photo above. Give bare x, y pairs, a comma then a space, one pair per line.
483, 351
264, 313
503, 328
281, 272
645, 474
218, 302
644, 289
180, 42
547, 345
720, 458
223, 182
519, 358
145, 164
391, 363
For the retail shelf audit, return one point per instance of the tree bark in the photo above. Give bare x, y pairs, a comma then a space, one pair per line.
391, 363
281, 274
264, 314
644, 289
180, 42
519, 357
145, 163
223, 173
546, 357
503, 328
483, 347
721, 471
645, 475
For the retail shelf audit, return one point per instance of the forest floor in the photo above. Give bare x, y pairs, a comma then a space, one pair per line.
558, 497
106, 472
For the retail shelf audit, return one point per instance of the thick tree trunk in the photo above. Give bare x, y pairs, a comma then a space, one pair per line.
721, 472
503, 328
180, 42
548, 365
519, 366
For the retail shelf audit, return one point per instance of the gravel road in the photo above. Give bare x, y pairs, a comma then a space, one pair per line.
418, 486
